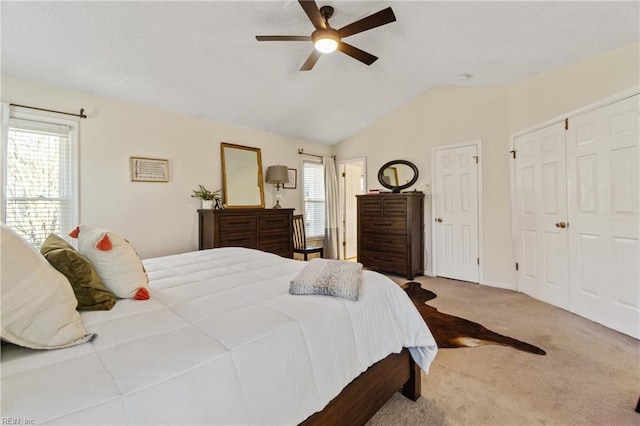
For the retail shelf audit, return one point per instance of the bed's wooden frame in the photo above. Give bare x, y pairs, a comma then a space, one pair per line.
368, 392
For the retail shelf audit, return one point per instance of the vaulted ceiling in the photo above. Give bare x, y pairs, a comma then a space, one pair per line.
201, 58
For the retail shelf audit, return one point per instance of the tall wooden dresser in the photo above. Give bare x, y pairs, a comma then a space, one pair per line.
264, 229
391, 232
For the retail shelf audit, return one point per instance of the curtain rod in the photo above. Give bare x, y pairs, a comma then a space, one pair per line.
81, 115
301, 152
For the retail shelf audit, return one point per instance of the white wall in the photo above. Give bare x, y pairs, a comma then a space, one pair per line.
549, 95
442, 116
158, 218
492, 114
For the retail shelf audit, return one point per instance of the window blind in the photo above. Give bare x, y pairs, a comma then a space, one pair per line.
313, 174
39, 186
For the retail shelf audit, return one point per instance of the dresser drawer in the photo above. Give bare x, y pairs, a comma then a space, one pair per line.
248, 223
385, 261
394, 207
384, 243
370, 206
280, 222
274, 237
276, 241
238, 239
384, 225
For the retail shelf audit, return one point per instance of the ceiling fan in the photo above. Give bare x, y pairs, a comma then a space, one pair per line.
326, 39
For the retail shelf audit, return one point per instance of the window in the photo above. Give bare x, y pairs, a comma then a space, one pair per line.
313, 179
40, 185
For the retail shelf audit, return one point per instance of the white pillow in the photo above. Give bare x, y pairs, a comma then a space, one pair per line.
115, 261
38, 303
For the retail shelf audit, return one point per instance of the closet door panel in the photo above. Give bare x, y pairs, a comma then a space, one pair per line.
602, 170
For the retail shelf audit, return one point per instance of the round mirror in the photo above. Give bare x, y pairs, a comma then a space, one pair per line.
398, 175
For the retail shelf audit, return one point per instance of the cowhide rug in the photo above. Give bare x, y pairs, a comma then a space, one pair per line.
454, 332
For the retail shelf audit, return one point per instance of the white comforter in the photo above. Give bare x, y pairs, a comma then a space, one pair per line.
221, 341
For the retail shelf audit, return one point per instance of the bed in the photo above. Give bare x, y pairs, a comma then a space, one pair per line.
221, 341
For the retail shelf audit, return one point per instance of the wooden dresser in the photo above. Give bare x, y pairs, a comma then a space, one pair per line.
264, 229
391, 232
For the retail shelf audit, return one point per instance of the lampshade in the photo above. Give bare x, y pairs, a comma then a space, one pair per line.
277, 175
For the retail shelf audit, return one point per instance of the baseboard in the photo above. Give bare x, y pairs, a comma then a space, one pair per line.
483, 282
497, 284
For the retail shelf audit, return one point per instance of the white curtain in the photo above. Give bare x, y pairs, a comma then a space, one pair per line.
332, 211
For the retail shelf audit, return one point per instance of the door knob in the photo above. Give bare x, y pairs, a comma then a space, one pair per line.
562, 225
439, 219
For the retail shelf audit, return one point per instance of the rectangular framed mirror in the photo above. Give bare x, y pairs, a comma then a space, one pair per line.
242, 176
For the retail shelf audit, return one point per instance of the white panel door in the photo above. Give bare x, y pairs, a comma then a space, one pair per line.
602, 148
456, 213
541, 215
353, 186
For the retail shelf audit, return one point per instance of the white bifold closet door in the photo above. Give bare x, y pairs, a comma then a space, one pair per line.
602, 149
577, 219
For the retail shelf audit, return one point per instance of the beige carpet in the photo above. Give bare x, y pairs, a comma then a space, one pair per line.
590, 375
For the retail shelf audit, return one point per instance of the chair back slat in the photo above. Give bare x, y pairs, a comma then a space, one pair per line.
299, 239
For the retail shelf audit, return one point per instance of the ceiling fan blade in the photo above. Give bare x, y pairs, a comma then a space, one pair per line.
385, 16
311, 9
354, 52
311, 61
283, 38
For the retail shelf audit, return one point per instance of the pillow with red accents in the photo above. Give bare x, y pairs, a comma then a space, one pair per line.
115, 261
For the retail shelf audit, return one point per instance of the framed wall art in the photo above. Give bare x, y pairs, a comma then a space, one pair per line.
149, 169
293, 180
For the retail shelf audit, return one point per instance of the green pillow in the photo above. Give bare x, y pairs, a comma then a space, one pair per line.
91, 293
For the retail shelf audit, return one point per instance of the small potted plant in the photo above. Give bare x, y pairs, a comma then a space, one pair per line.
206, 196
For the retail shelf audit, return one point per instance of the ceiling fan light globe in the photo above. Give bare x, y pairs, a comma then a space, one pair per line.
325, 41
326, 45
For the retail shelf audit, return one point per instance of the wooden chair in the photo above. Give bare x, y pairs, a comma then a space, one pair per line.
300, 239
